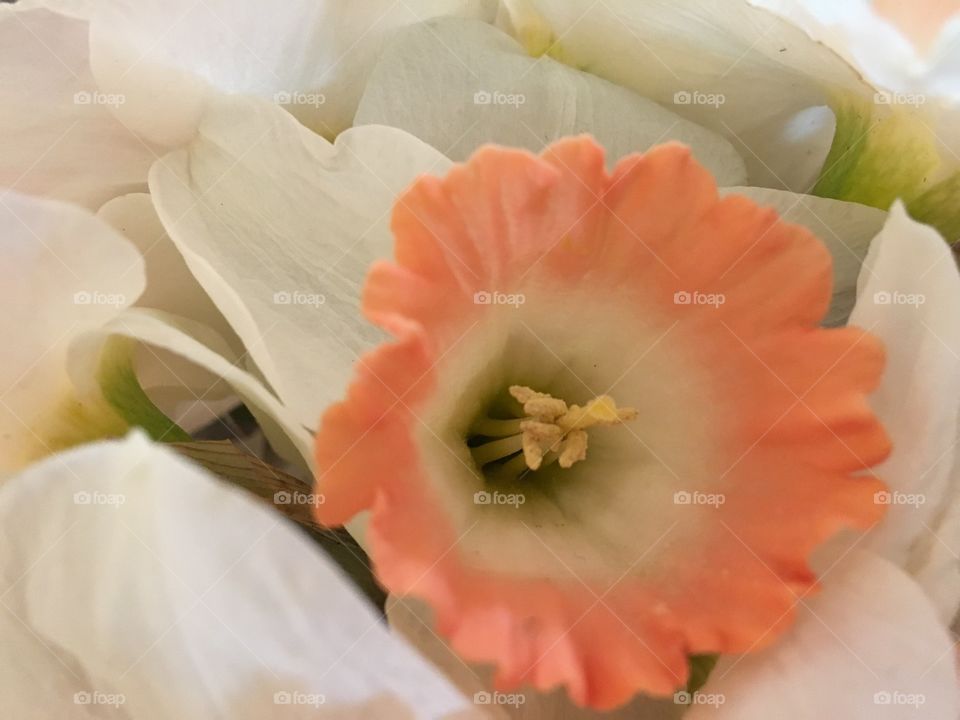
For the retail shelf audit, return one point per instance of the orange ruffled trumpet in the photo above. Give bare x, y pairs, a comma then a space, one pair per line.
684, 524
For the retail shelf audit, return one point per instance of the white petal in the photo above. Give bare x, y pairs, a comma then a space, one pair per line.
185, 598
847, 229
870, 647
58, 138
788, 152
481, 86
681, 53
908, 296
64, 272
164, 57
279, 226
167, 335
170, 285
172, 288
884, 53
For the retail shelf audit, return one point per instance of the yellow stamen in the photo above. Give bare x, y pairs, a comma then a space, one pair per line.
552, 431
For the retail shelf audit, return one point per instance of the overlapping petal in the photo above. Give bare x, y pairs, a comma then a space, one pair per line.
64, 272
908, 295
481, 87
279, 226
738, 70
135, 583
168, 58
58, 136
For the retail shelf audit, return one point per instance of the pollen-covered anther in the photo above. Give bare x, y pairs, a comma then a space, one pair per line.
539, 438
557, 431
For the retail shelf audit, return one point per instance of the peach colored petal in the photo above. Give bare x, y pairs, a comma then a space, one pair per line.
748, 396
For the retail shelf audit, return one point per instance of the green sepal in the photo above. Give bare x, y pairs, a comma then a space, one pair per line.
881, 153
118, 382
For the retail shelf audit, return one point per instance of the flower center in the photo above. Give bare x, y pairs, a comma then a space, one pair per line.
545, 431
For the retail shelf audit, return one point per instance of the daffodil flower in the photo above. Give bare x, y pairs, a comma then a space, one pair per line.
137, 585
326, 207
265, 623
525, 284
611, 438
912, 558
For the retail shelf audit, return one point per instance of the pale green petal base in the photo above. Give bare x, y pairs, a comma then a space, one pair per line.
121, 389
120, 405
881, 154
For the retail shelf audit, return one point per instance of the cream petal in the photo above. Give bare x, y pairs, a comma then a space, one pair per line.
155, 588
164, 58
481, 86
64, 272
727, 66
173, 289
869, 647
789, 150
847, 229
170, 285
279, 227
909, 292
165, 335
58, 137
